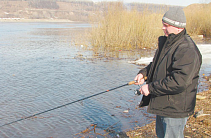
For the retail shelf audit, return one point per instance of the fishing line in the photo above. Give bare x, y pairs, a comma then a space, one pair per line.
129, 83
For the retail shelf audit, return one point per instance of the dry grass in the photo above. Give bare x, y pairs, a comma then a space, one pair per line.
126, 30
119, 28
199, 19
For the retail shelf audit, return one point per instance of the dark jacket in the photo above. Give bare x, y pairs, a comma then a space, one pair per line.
172, 77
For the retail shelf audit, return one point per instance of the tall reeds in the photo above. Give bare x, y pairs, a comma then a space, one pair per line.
199, 19
121, 29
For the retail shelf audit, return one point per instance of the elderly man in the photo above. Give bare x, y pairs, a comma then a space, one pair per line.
172, 77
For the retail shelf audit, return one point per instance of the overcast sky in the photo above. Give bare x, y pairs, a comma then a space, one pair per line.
167, 2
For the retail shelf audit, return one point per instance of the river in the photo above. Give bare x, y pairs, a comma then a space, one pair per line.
41, 68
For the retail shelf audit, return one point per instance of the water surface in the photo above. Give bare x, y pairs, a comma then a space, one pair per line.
40, 70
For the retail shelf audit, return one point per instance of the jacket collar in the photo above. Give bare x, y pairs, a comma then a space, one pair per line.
172, 38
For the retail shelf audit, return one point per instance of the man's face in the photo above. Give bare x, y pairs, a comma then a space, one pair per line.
168, 29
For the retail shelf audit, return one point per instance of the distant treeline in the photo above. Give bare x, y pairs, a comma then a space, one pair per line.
52, 4
51, 0
48, 9
75, 10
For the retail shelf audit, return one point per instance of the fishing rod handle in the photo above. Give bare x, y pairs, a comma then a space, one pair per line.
133, 82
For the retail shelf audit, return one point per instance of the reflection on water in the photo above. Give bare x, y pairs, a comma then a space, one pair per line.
40, 69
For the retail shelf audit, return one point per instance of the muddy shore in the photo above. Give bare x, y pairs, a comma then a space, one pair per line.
198, 125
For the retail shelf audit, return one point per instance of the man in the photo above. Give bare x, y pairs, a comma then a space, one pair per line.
172, 77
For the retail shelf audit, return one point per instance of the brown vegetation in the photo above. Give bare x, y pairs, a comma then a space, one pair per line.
125, 29
198, 19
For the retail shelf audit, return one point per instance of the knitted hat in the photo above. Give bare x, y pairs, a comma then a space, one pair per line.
175, 17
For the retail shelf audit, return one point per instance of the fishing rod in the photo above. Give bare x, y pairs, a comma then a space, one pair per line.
129, 83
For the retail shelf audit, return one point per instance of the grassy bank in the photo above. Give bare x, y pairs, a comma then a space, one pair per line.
120, 28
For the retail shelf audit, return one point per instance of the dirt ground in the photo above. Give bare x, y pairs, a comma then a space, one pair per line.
198, 125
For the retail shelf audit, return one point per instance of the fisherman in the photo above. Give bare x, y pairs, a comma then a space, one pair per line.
172, 77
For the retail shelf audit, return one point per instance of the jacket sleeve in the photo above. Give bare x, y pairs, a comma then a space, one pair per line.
185, 67
145, 70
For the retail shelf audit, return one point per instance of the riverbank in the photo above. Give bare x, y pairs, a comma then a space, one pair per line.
198, 125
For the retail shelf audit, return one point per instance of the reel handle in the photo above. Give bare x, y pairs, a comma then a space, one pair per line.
137, 92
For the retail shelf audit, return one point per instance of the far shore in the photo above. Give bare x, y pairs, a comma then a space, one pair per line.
33, 20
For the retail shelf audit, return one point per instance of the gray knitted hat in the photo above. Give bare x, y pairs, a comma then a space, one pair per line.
175, 17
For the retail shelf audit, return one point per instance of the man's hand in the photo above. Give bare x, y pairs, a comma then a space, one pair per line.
144, 90
139, 79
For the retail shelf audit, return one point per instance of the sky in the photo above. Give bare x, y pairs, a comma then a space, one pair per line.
167, 2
